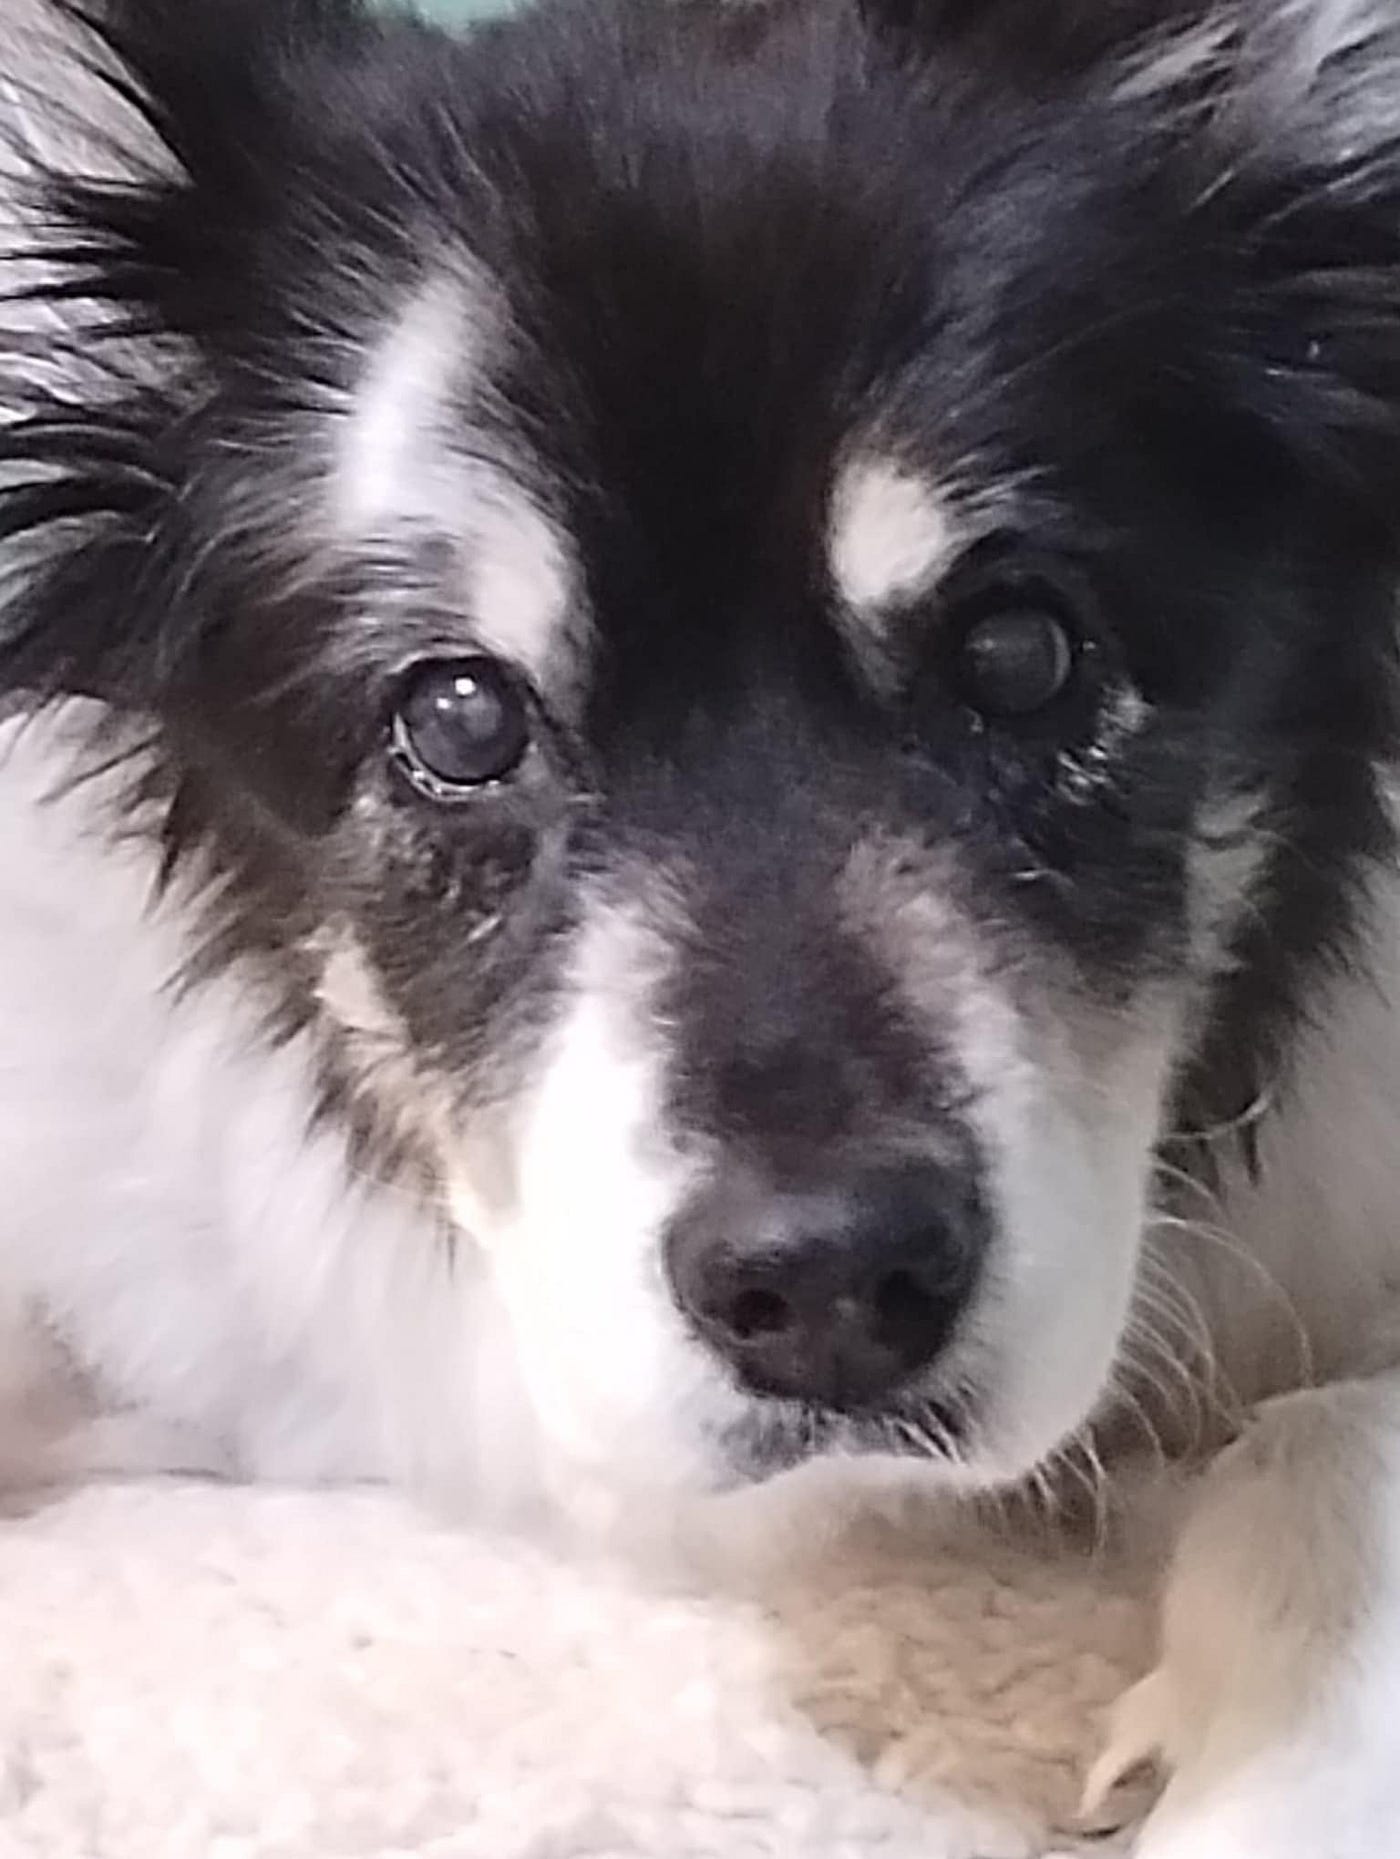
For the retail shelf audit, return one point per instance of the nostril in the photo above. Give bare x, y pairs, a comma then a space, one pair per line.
757, 1313
902, 1303
910, 1308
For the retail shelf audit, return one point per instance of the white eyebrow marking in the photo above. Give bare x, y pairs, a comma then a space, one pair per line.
892, 534
393, 454
403, 465
520, 583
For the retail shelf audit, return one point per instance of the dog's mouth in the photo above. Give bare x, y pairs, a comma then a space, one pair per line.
777, 1436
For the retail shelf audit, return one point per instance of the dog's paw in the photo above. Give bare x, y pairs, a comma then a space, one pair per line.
1315, 1797
1269, 1719
1326, 1788
1126, 1778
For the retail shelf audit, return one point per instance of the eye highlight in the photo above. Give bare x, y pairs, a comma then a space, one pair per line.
460, 724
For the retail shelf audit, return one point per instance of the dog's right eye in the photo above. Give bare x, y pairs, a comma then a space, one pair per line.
1015, 660
1018, 636
460, 724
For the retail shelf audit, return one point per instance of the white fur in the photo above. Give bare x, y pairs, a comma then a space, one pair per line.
170, 1218
1176, 58
401, 471
892, 535
1273, 1704
1066, 1142
1318, 76
521, 586
593, 1181
393, 462
1065, 1119
1277, 1690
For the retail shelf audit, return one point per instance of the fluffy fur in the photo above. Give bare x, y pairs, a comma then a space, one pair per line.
708, 381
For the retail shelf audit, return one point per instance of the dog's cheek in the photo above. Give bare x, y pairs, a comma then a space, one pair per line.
1069, 1133
570, 1209
1062, 1099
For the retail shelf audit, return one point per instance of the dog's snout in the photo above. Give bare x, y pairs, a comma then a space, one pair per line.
837, 1294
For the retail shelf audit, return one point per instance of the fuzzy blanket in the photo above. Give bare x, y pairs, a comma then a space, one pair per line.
195, 1672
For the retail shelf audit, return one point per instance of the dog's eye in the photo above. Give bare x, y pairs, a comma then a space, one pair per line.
1014, 659
460, 723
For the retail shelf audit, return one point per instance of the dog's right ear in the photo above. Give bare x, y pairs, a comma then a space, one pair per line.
138, 150
74, 489
93, 382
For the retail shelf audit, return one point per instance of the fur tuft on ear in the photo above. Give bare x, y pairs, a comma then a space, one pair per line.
83, 390
1283, 117
137, 142
1314, 72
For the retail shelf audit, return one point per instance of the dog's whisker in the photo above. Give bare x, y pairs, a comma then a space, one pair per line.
1218, 1239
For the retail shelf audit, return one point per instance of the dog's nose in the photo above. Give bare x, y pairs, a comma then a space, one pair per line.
836, 1294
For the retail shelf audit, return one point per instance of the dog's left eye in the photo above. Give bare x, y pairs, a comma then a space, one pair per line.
1014, 659
459, 724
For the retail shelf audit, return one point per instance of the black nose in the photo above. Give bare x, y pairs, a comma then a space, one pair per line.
835, 1294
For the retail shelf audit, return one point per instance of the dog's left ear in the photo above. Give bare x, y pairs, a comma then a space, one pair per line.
1287, 116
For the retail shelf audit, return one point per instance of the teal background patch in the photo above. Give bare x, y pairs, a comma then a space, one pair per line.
458, 11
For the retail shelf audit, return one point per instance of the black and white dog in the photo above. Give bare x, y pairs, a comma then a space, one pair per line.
703, 778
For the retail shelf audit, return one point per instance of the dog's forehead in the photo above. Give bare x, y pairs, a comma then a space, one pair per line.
719, 376
412, 467
848, 524
660, 386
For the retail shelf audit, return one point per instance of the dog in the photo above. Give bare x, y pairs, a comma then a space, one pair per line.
701, 781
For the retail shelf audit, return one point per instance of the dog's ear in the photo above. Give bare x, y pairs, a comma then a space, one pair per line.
1287, 116
139, 148
1277, 126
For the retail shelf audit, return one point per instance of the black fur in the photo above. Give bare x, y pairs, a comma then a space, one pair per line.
1163, 329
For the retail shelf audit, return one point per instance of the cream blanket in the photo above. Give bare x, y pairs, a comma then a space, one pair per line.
195, 1672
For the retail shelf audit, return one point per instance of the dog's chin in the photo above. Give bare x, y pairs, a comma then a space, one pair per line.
927, 1442
773, 1438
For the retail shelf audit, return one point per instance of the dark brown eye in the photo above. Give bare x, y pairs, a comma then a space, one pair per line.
460, 724
1014, 660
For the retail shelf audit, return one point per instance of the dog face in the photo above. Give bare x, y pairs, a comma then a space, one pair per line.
771, 625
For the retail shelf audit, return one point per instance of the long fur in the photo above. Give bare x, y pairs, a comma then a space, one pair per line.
700, 379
